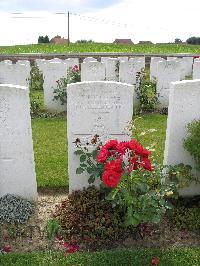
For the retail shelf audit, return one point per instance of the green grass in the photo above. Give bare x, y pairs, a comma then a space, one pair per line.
156, 138
101, 47
38, 96
50, 146
123, 257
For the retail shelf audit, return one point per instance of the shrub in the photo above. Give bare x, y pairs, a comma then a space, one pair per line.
186, 218
192, 141
87, 217
73, 76
14, 209
133, 182
146, 93
36, 78
53, 228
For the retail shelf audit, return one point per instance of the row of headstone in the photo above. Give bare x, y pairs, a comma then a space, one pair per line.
163, 72
119, 69
110, 69
102, 108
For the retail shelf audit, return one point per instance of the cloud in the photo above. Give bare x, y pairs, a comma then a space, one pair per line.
141, 20
54, 5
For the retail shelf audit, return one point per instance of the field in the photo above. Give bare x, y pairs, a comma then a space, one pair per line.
101, 47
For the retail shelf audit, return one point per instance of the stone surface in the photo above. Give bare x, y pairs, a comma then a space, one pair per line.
17, 168
167, 72
123, 59
196, 69
188, 62
93, 71
102, 108
128, 71
112, 69
184, 107
17, 74
89, 59
140, 60
154, 67
52, 71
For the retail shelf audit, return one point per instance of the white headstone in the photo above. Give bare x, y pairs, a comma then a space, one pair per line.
123, 58
23, 62
17, 168
128, 72
17, 74
154, 67
93, 71
52, 72
40, 63
112, 69
89, 59
56, 60
70, 62
167, 72
102, 108
196, 70
184, 107
188, 61
104, 59
138, 59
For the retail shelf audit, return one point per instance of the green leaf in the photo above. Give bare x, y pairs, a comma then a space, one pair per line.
155, 219
78, 152
79, 171
83, 165
83, 158
91, 179
94, 154
89, 170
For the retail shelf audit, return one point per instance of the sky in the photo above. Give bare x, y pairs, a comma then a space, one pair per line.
99, 20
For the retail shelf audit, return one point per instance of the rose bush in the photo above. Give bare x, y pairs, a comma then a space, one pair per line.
133, 182
60, 92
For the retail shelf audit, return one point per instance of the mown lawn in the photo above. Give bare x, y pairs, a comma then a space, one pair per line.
122, 257
101, 47
50, 146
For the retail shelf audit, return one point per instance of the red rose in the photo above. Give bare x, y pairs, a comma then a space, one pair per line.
75, 68
146, 164
111, 144
133, 164
7, 249
111, 178
115, 165
155, 261
102, 156
122, 147
138, 149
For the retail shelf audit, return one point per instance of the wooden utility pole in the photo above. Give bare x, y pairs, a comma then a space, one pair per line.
68, 26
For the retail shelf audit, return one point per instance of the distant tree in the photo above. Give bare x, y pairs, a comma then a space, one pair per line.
57, 36
40, 39
177, 40
43, 39
46, 39
193, 40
